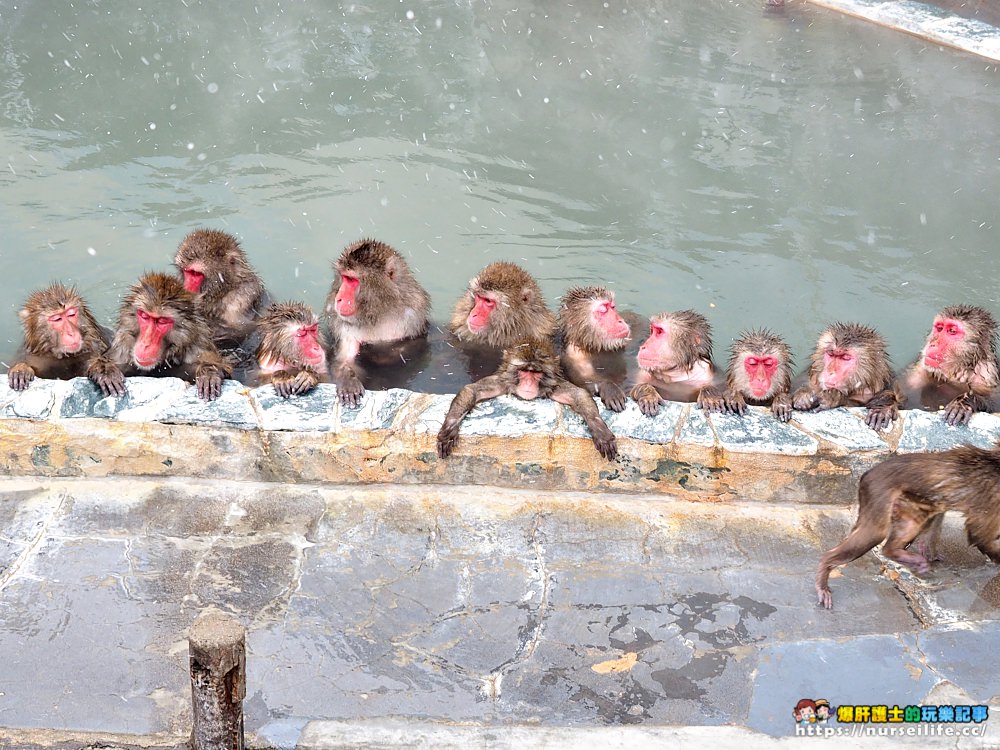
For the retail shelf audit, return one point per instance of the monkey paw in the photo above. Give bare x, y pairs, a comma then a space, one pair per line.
446, 441
712, 402
350, 389
288, 384
957, 412
825, 597
612, 396
20, 376
805, 400
209, 385
648, 399
782, 410
881, 417
108, 378
606, 444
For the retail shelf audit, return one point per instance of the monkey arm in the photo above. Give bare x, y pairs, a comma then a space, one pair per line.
580, 401
461, 405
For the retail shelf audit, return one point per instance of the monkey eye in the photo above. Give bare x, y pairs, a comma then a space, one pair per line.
939, 327
953, 330
163, 322
752, 361
655, 330
488, 301
770, 362
602, 309
55, 318
70, 312
142, 314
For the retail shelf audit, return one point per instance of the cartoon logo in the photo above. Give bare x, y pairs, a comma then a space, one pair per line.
809, 711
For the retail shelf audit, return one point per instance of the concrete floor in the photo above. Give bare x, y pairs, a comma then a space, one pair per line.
466, 616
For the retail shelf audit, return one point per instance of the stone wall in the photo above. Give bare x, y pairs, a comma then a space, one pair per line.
160, 428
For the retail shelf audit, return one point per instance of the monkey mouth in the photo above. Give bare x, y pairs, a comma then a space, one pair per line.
145, 364
193, 280
933, 361
758, 391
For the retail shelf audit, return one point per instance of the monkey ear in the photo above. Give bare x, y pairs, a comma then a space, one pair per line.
391, 267
527, 295
23, 313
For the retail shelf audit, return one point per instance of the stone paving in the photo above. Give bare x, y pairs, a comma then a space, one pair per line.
450, 616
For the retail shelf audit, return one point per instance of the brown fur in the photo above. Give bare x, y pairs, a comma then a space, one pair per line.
391, 304
277, 344
871, 380
42, 352
186, 350
232, 292
591, 358
534, 356
967, 382
759, 343
907, 494
520, 313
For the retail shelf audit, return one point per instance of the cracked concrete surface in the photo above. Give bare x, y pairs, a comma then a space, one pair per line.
405, 612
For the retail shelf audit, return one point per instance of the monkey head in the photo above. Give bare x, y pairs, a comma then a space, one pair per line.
676, 341
52, 319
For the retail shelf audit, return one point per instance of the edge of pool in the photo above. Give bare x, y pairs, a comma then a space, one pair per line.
925, 21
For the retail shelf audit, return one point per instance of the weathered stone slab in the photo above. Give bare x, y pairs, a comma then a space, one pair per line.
697, 430
956, 655
378, 410
317, 410
759, 432
506, 416
231, 409
37, 402
927, 431
842, 427
145, 400
634, 424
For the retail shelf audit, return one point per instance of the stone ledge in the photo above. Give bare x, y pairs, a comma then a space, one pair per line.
925, 21
69, 429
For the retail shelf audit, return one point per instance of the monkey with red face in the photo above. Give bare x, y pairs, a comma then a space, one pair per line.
292, 351
160, 333
957, 369
675, 361
529, 370
374, 301
759, 372
227, 290
594, 335
850, 367
60, 337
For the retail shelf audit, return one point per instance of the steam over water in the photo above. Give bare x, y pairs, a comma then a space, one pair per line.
779, 169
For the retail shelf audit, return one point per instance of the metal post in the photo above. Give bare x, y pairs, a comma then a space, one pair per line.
217, 645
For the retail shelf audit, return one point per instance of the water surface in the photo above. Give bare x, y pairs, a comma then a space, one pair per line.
780, 169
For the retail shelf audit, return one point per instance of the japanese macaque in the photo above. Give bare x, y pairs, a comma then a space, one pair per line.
160, 333
907, 495
502, 306
228, 291
957, 368
759, 373
529, 370
374, 300
850, 367
60, 337
675, 361
292, 351
594, 335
